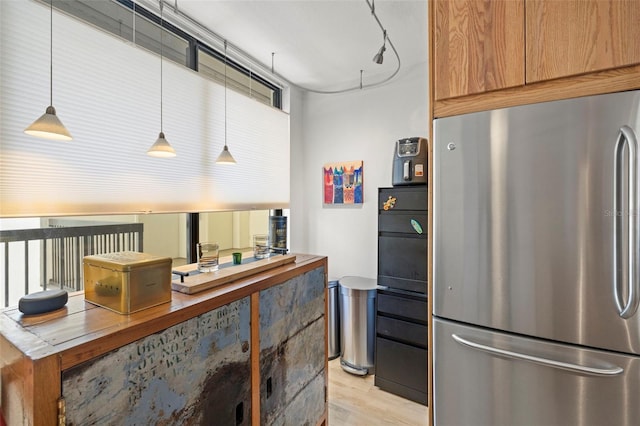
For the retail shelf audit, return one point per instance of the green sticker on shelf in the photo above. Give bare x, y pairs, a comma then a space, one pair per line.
416, 226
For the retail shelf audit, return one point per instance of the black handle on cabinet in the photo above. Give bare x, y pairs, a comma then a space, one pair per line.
269, 387
239, 413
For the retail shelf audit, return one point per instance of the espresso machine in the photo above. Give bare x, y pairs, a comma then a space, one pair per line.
410, 161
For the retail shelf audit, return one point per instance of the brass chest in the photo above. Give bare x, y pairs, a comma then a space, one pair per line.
128, 281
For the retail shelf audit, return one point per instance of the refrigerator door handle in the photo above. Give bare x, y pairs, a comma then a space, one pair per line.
594, 371
626, 137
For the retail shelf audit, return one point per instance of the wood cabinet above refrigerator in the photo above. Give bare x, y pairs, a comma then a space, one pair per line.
479, 46
572, 37
503, 53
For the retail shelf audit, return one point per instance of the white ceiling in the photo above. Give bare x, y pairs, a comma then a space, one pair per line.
318, 44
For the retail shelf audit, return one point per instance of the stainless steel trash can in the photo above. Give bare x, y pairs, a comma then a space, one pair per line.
357, 324
333, 320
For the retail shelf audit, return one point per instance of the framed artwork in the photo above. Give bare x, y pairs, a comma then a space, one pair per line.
343, 182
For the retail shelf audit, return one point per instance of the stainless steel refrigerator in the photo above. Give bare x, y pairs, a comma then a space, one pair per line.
537, 264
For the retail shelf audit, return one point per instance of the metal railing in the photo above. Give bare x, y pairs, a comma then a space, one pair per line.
59, 251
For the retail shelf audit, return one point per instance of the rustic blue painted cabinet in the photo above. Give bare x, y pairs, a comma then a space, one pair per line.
292, 358
196, 372
252, 352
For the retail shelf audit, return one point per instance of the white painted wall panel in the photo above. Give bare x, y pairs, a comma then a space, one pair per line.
362, 125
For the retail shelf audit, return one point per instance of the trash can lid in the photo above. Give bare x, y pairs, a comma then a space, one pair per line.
358, 283
332, 283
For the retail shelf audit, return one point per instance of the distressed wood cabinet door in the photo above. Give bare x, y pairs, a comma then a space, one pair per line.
479, 46
193, 373
572, 37
292, 351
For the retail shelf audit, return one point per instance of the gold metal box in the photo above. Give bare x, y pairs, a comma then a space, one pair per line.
127, 281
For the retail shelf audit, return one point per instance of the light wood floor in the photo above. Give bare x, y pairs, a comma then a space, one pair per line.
355, 401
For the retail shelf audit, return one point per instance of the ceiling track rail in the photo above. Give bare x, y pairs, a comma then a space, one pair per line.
198, 30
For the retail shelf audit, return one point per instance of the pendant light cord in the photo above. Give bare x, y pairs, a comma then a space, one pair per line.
51, 52
225, 93
161, 53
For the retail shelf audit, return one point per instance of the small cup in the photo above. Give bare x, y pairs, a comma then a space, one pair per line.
207, 257
237, 258
261, 249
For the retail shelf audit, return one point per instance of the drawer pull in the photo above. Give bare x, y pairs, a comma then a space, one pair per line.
594, 371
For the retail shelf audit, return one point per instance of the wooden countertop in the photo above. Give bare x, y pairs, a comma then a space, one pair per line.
81, 331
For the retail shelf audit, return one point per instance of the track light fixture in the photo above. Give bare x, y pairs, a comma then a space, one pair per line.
161, 148
379, 58
49, 126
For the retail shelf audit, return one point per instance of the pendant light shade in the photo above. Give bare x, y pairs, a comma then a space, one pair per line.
225, 156
49, 126
161, 148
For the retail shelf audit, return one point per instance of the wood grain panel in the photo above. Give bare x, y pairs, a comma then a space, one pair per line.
45, 396
432, 28
609, 81
24, 383
479, 46
15, 374
205, 281
73, 305
573, 37
355, 400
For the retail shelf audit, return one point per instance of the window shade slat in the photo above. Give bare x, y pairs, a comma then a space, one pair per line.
107, 93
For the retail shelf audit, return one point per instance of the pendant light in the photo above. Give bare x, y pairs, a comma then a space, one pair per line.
225, 156
49, 126
161, 148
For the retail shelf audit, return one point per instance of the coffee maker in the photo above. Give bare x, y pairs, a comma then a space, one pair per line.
410, 162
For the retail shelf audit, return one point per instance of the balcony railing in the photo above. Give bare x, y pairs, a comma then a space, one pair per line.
42, 258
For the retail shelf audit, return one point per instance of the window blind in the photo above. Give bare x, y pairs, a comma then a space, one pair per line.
107, 93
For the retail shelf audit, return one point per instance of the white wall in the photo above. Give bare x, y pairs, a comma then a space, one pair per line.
217, 227
233, 230
162, 233
298, 225
361, 125
258, 224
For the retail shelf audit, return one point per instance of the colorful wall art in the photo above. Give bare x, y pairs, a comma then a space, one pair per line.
343, 183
